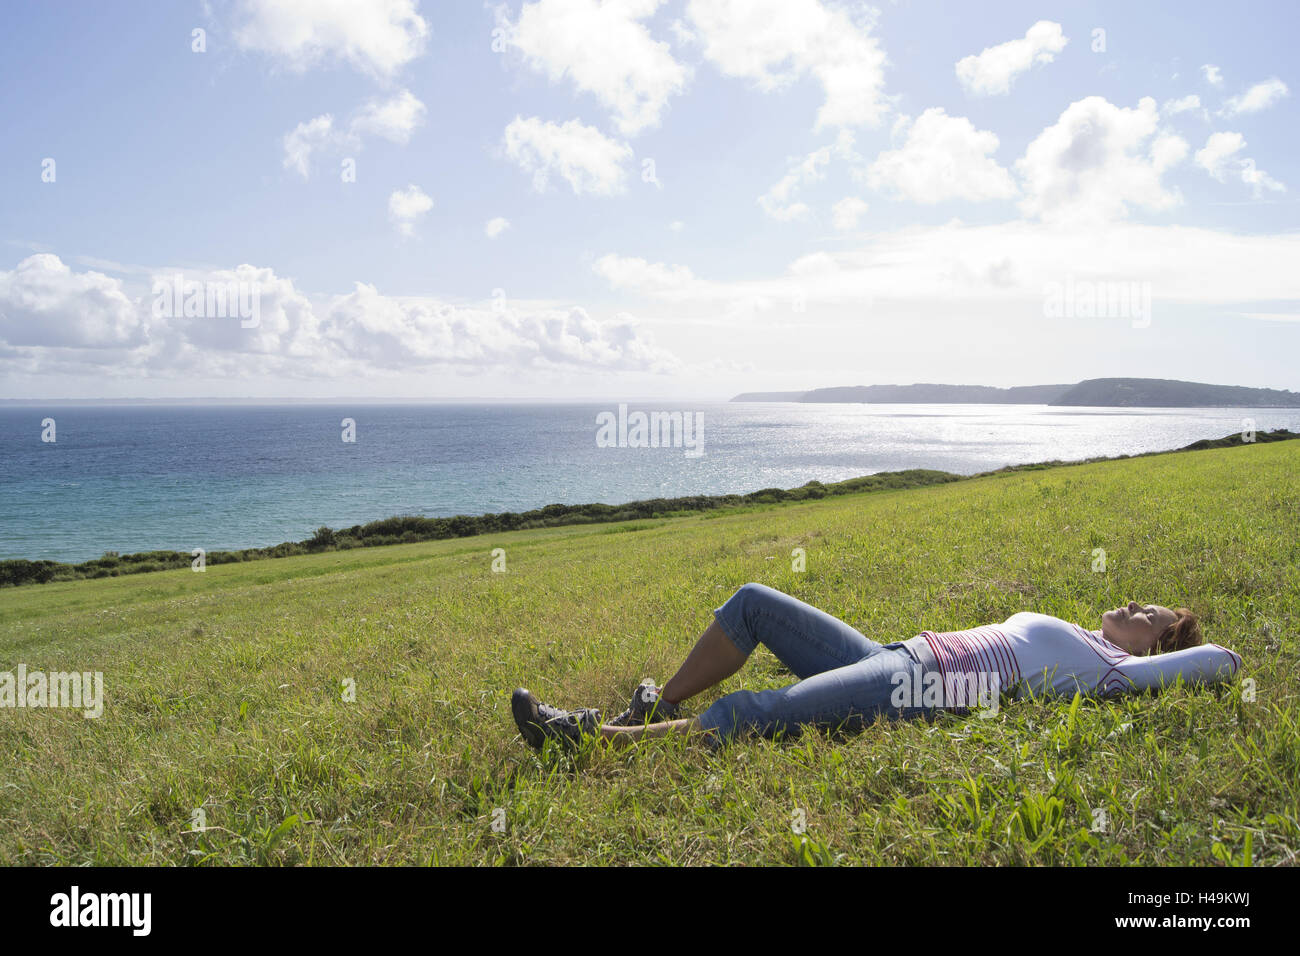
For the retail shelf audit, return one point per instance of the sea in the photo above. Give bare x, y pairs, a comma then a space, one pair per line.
79, 480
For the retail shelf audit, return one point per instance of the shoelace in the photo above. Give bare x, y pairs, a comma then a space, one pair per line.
552, 714
572, 717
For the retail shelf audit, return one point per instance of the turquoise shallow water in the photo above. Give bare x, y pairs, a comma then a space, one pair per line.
137, 478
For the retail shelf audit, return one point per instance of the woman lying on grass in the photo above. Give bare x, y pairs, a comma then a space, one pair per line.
846, 680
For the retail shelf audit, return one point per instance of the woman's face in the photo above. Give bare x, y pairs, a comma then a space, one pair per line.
1135, 627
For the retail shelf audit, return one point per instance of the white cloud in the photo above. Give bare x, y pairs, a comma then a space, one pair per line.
1003, 266
775, 42
1213, 75
393, 119
944, 157
628, 272
44, 303
846, 213
285, 325
1272, 316
992, 71
406, 206
1219, 158
1186, 104
496, 226
54, 319
813, 264
388, 332
1097, 160
1258, 180
586, 159
1008, 263
1218, 148
305, 139
377, 37
779, 203
603, 49
1259, 97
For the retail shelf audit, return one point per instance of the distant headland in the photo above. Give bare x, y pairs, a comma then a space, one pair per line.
1113, 392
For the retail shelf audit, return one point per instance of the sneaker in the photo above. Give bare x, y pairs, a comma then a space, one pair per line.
646, 707
537, 721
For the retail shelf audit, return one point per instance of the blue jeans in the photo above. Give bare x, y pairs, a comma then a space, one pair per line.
846, 680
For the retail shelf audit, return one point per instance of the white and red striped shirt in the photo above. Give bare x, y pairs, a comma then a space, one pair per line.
1037, 654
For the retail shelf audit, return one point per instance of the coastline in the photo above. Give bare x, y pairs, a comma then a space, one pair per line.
406, 529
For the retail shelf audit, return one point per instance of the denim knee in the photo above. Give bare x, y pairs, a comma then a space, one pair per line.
848, 700
750, 712
732, 616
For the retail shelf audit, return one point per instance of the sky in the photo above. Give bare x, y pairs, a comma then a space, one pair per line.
630, 199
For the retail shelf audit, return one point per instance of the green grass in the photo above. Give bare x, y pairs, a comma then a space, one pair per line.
223, 689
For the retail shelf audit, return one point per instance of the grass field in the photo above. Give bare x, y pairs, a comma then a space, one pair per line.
223, 690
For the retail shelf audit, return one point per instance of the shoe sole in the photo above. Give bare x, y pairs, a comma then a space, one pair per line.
526, 719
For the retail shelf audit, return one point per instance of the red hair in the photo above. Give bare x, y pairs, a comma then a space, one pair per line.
1184, 631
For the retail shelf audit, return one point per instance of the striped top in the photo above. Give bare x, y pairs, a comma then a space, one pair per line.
1037, 654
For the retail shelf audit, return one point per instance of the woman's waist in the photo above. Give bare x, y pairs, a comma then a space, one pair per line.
957, 655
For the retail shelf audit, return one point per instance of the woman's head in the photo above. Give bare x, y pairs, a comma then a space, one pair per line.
1143, 629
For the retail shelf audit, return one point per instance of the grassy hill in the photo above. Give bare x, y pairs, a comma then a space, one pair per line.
1172, 393
223, 689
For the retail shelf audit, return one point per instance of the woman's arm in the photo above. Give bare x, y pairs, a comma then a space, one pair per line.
1204, 664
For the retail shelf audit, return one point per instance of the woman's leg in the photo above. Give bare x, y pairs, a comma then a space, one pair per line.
805, 639
848, 697
626, 736
713, 659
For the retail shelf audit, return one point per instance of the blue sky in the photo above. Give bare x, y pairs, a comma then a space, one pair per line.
841, 194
